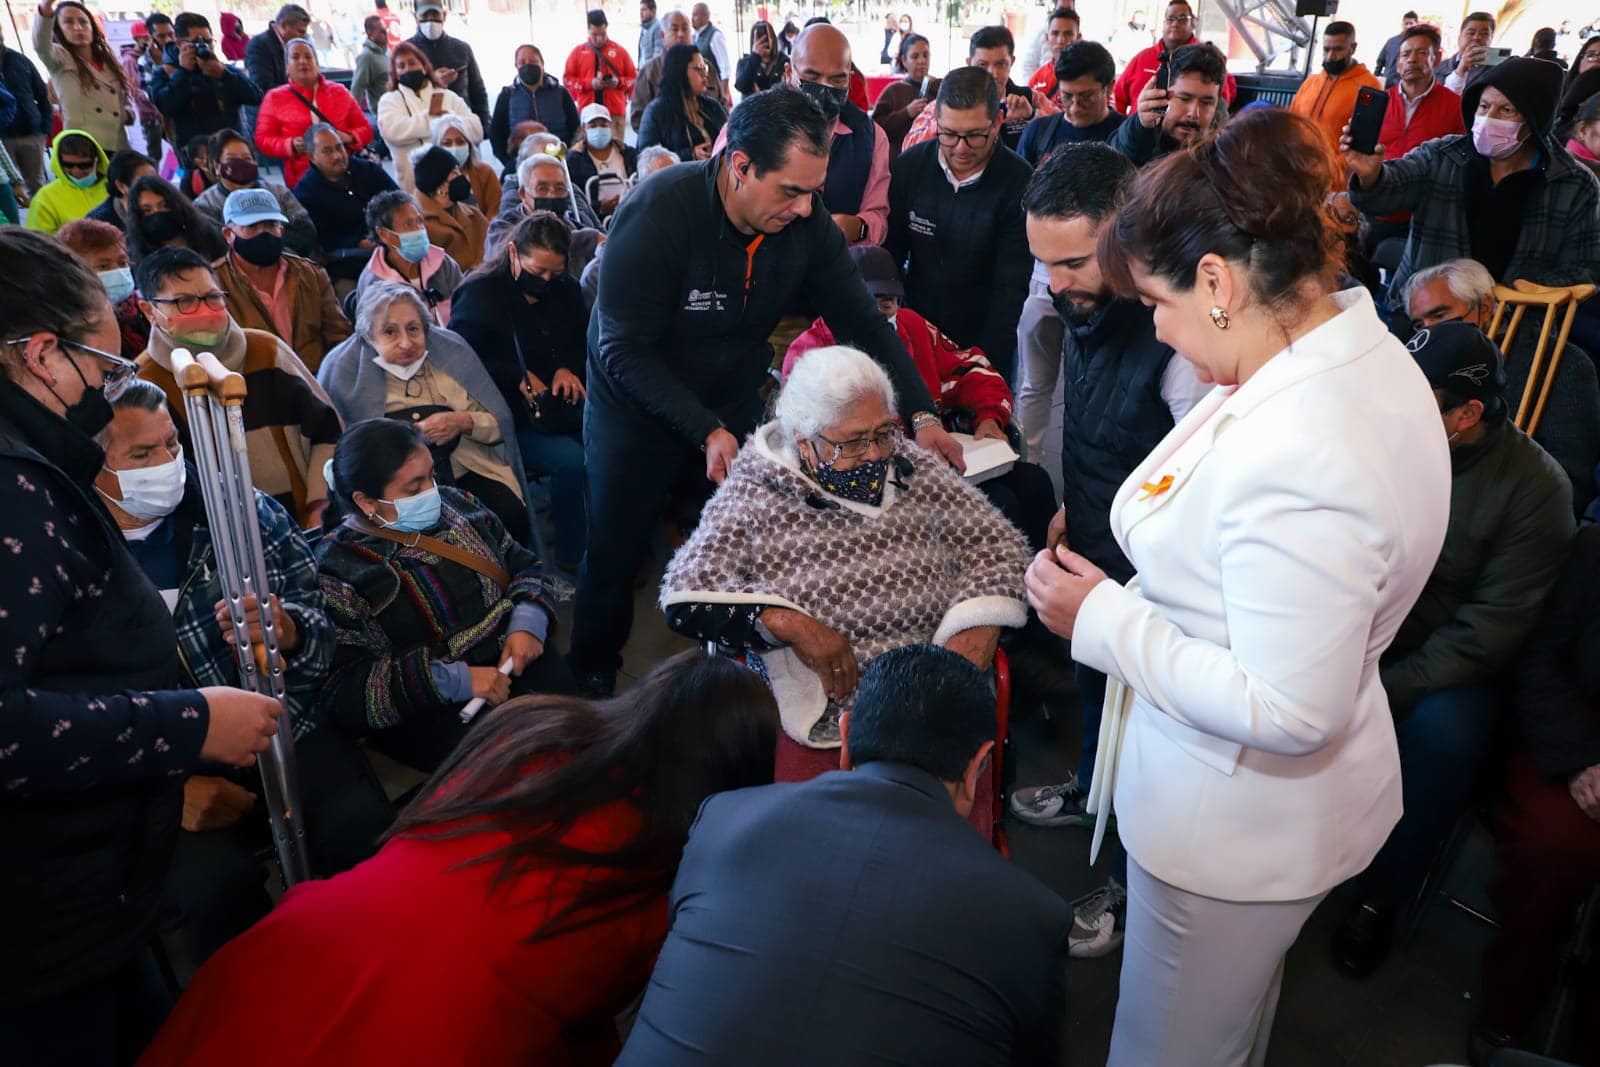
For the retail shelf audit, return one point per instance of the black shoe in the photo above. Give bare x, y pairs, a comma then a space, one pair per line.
1485, 1041
1363, 939
597, 685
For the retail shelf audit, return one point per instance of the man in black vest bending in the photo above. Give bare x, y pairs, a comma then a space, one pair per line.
699, 265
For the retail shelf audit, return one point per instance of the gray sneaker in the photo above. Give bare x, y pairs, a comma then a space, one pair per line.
1097, 922
1052, 805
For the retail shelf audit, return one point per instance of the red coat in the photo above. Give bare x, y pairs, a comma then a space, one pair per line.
1438, 115
583, 66
1137, 74
409, 958
956, 377
284, 119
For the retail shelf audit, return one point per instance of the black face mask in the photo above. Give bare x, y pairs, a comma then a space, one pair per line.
557, 204
830, 100
413, 80
1336, 67
160, 228
530, 74
262, 250
460, 189
532, 284
92, 413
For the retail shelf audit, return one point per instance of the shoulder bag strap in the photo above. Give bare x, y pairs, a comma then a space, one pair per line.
314, 109
443, 549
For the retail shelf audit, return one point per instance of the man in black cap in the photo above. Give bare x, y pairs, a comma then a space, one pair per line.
1510, 527
1507, 194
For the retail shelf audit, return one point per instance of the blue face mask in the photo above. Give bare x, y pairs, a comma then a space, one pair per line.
87, 181
118, 283
414, 514
414, 245
461, 152
598, 137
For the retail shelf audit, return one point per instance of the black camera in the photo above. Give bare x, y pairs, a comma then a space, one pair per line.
203, 52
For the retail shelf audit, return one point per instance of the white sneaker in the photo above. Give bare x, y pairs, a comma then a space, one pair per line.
1052, 805
1097, 922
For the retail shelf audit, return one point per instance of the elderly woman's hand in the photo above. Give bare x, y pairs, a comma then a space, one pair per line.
977, 644
822, 649
446, 426
1058, 583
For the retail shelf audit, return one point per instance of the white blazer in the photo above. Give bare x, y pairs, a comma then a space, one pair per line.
1304, 514
405, 124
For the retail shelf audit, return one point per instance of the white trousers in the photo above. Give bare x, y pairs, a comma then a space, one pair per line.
1200, 976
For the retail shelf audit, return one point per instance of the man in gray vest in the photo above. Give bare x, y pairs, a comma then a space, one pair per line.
1126, 391
714, 46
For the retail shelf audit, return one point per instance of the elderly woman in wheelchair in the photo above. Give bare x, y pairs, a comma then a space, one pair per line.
833, 539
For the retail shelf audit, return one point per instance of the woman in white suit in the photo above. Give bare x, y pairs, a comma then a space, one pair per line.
1281, 533
406, 112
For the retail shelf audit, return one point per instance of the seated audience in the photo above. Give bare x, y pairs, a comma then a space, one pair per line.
856, 918
530, 879
406, 112
686, 115
1328, 97
272, 289
970, 396
402, 252
235, 163
79, 165
524, 315
335, 191
994, 50
1177, 31
1506, 194
453, 222
101, 245
598, 153
405, 662
1461, 289
159, 216
829, 497
1083, 75
450, 133
1189, 111
125, 168
215, 888
535, 96
1548, 827
535, 142
1510, 527
1584, 143
764, 65
289, 110
898, 106
290, 427
543, 185
398, 365
965, 255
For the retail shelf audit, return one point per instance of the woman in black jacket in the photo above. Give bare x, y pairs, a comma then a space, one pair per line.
684, 117
524, 316
535, 95
766, 64
158, 216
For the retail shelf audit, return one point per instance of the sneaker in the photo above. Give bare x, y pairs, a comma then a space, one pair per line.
1097, 922
1052, 805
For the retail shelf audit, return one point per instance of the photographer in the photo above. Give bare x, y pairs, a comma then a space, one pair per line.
194, 88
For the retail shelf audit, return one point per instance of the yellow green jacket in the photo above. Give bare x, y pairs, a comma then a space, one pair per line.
59, 202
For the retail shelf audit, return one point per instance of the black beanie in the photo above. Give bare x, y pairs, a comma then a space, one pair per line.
1532, 85
430, 169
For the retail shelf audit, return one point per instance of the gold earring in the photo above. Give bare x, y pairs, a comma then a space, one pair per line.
1219, 317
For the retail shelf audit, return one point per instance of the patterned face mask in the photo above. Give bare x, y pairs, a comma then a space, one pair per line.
864, 483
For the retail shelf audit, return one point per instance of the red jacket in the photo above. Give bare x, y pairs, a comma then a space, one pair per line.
1140, 69
583, 66
410, 958
956, 377
1438, 115
284, 119
1043, 82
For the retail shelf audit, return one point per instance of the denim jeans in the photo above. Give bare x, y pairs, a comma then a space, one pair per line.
561, 458
1442, 746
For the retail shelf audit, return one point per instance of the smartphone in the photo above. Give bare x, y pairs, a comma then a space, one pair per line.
1164, 72
1496, 56
1366, 121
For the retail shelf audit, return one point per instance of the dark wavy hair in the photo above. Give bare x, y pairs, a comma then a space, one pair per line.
675, 76
198, 232
542, 229
99, 48
907, 40
694, 726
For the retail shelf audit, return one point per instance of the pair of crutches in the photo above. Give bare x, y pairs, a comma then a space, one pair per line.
214, 402
1519, 297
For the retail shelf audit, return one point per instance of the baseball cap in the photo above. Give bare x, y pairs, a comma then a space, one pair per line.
877, 270
592, 112
1458, 358
426, 6
245, 207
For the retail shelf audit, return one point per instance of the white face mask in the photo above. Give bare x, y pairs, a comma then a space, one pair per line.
150, 493
395, 370
432, 30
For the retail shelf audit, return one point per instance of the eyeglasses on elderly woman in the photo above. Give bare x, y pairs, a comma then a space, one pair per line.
883, 439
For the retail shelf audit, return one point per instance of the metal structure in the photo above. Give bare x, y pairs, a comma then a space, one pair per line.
1270, 29
214, 400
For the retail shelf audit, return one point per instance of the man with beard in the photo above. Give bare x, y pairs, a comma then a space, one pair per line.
1128, 391
1328, 97
1181, 115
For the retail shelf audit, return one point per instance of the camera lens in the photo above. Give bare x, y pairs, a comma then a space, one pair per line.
202, 51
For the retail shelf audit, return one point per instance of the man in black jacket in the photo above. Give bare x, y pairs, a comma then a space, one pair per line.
263, 56
1182, 115
25, 137
955, 222
856, 918
201, 94
454, 66
700, 263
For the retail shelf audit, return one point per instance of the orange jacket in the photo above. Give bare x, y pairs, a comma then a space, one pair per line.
1328, 101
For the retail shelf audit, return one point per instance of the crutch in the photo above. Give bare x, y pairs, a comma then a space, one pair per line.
214, 398
1541, 376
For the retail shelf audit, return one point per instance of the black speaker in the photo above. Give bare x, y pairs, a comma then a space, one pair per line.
1322, 9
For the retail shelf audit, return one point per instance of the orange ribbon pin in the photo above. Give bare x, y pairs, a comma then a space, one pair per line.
1155, 489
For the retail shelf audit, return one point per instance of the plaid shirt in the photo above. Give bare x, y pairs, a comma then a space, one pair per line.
1560, 241
292, 576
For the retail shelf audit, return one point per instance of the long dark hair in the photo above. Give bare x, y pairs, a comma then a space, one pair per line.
906, 41
675, 76
199, 232
99, 48
542, 229
696, 725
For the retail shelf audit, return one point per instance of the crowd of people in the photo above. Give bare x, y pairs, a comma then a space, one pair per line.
1270, 523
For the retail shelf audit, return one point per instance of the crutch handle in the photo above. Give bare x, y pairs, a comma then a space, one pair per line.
205, 373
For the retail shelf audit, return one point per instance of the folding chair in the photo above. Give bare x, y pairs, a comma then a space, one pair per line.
1520, 296
603, 185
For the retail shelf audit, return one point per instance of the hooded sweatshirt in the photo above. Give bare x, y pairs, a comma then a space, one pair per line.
60, 201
